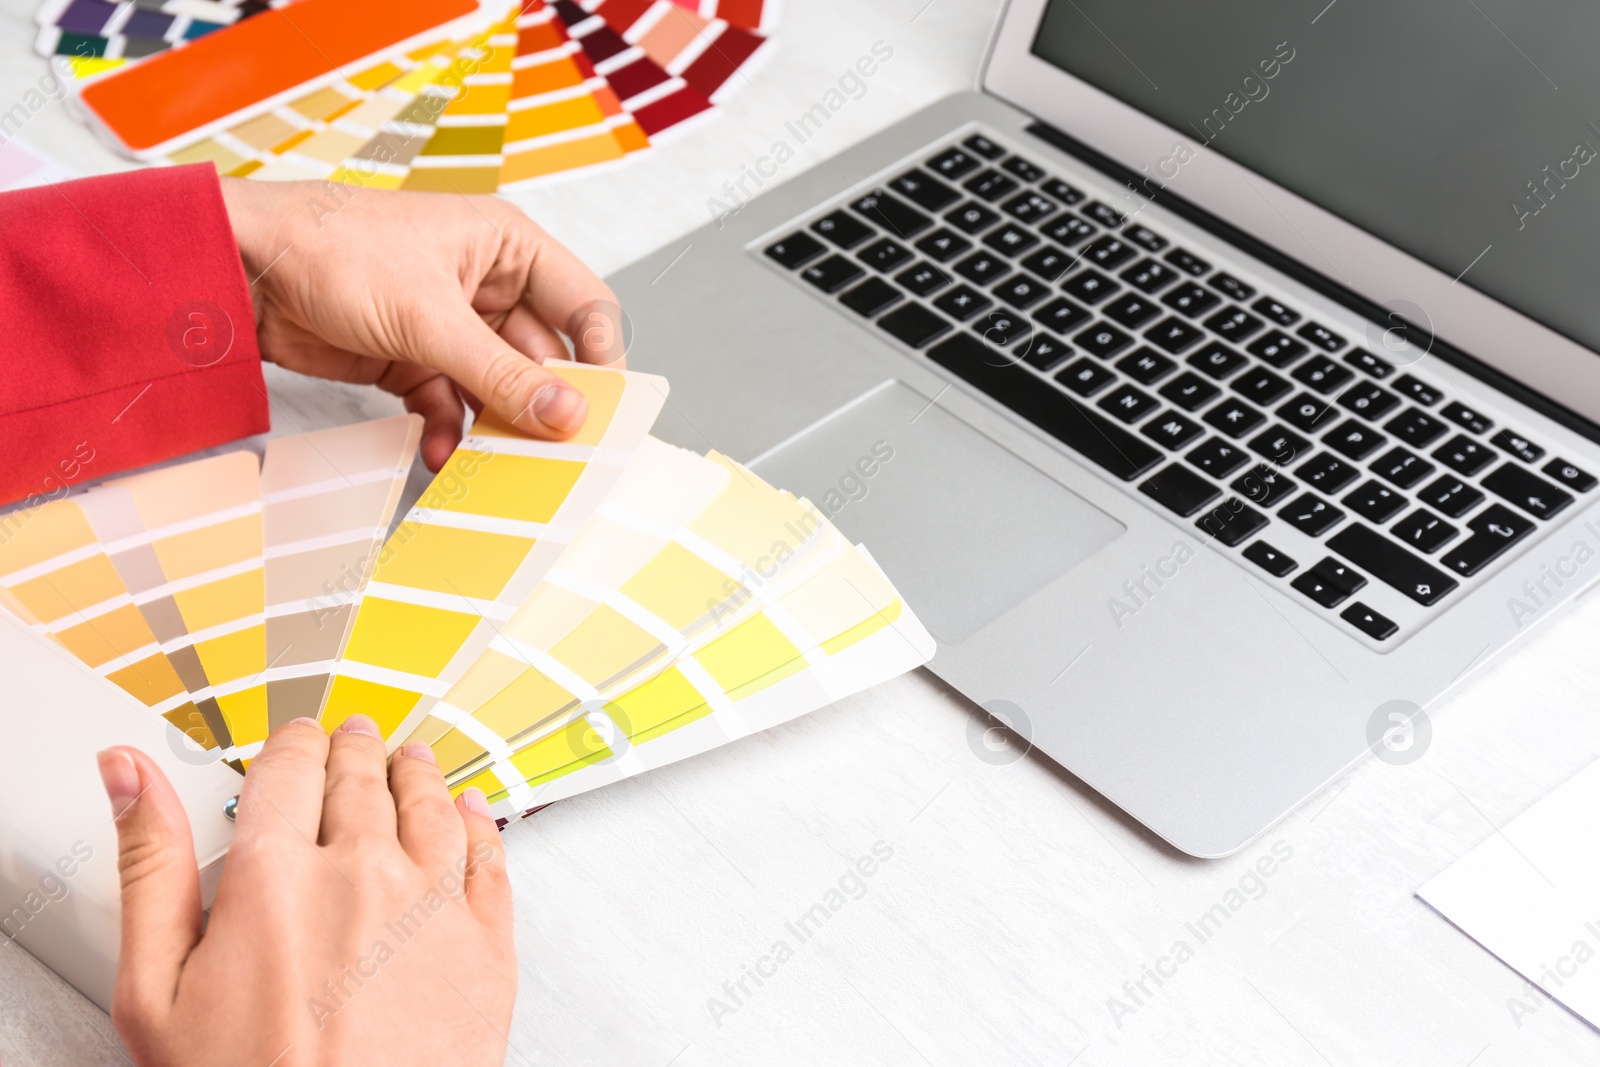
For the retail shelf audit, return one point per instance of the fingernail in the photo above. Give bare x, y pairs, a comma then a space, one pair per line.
419, 750
121, 779
560, 407
307, 721
360, 724
475, 801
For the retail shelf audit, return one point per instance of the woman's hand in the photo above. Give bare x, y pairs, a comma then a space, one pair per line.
362, 918
422, 294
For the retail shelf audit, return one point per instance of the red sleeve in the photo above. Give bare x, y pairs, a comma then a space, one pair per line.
126, 330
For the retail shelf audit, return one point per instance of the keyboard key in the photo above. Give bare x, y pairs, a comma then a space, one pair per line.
1173, 334
1179, 489
1368, 363
1232, 522
1102, 340
1323, 375
1217, 360
1171, 430
1277, 348
1002, 328
1278, 312
1049, 262
1145, 365
871, 297
1010, 240
962, 302
1090, 286
914, 324
1109, 252
989, 185
1086, 377
1281, 446
1401, 467
1311, 515
1450, 495
885, 254
1386, 561
1022, 291
1260, 386
1145, 238
1029, 207
1494, 530
1104, 214
943, 245
1415, 427
971, 218
1327, 473
1341, 576
1425, 531
984, 147
924, 190
1320, 336
1131, 310
896, 216
923, 279
1270, 559
1098, 439
1188, 262
795, 250
1149, 276
1061, 191
1465, 417
1368, 400
1517, 445
1375, 502
1190, 391
1128, 403
1022, 169
1306, 412
1369, 622
1191, 300
1352, 439
952, 163
1218, 458
1234, 417
843, 229
1061, 315
1463, 454
1231, 287
1579, 481
1068, 230
1314, 584
1528, 491
1264, 485
832, 274
1045, 352
1422, 393
983, 268
1233, 324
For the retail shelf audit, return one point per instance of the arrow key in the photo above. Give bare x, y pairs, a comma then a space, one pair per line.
1368, 621
1494, 530
1528, 491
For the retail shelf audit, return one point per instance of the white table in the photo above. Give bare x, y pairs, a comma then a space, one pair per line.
1016, 902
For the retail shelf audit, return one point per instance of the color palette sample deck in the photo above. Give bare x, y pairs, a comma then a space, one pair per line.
550, 616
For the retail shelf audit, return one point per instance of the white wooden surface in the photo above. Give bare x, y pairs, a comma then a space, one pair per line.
1015, 903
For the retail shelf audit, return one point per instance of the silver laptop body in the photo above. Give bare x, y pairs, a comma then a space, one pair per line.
1205, 410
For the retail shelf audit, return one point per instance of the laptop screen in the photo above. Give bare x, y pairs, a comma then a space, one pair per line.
1466, 132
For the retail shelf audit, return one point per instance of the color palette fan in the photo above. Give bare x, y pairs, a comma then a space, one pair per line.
550, 616
443, 95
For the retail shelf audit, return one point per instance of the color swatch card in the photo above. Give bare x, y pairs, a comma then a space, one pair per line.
97, 35
1528, 894
22, 165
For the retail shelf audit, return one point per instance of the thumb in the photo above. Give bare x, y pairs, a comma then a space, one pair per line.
527, 396
160, 881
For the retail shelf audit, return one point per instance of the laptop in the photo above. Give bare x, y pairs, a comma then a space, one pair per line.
1218, 381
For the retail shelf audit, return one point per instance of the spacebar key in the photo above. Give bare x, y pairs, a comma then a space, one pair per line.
1053, 411
1389, 563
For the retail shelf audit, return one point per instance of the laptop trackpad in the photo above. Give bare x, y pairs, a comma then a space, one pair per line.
964, 527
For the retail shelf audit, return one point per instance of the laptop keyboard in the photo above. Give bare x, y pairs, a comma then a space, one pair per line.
1226, 406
